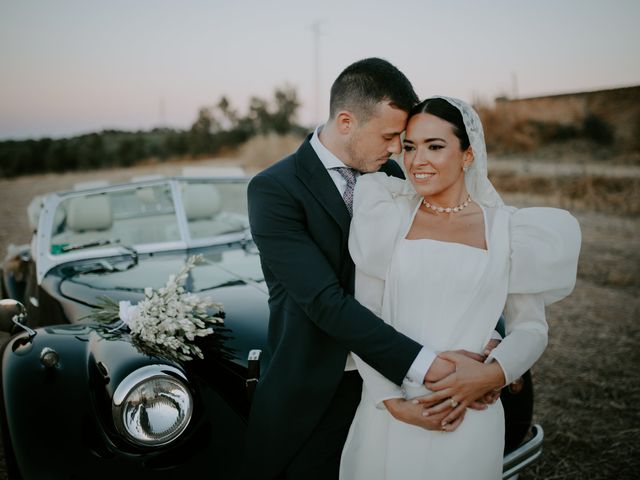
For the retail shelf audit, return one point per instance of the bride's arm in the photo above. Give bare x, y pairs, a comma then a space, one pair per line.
369, 292
526, 339
526, 328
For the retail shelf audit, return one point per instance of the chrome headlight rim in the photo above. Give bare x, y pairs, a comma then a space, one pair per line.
135, 379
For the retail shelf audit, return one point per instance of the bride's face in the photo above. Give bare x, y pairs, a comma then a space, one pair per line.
433, 158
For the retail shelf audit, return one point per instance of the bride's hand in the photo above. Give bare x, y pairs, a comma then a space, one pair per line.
413, 413
441, 368
469, 383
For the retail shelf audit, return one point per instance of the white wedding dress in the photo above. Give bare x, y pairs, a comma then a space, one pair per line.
448, 296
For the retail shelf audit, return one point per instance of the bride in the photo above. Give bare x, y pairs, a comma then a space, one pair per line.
440, 257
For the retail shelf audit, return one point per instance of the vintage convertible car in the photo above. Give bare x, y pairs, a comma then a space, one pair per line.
83, 399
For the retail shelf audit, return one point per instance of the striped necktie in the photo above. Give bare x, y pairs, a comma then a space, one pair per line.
349, 174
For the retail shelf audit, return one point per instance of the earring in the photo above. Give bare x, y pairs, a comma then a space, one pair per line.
465, 168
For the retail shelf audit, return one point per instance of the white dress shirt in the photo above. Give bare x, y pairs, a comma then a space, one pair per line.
425, 357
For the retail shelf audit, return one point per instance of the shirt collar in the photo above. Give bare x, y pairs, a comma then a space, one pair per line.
328, 159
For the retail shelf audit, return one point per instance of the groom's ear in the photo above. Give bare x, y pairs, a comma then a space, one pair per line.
345, 122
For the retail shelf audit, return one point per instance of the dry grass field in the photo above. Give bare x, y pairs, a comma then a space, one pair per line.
588, 381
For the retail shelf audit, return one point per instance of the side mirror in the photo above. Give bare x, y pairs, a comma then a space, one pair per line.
10, 309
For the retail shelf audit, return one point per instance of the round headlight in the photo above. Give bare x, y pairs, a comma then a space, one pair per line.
152, 406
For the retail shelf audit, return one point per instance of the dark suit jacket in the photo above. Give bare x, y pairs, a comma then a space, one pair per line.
300, 224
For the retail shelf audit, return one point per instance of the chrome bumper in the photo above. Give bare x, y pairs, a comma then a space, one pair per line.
524, 455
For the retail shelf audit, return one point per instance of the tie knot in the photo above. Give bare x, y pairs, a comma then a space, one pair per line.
348, 173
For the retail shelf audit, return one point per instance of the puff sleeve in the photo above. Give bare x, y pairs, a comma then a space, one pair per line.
545, 244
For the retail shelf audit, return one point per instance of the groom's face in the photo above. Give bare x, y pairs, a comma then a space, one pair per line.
371, 143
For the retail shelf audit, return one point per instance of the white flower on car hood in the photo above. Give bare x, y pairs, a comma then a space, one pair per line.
127, 311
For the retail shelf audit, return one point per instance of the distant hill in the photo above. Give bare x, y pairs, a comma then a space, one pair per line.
606, 117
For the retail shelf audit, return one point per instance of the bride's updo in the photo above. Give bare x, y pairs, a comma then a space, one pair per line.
444, 110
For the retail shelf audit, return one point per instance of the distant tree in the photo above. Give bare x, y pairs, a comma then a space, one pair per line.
90, 152
201, 138
598, 130
131, 150
235, 129
278, 118
215, 127
259, 114
40, 152
176, 143
57, 157
229, 115
286, 100
15, 157
206, 122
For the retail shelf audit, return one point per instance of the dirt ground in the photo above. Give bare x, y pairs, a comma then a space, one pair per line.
587, 382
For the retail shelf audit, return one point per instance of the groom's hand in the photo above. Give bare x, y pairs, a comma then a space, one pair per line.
413, 413
441, 368
470, 382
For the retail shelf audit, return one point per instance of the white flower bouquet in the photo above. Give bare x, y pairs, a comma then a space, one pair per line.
168, 320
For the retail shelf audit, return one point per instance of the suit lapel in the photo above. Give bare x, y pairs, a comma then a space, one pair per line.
313, 174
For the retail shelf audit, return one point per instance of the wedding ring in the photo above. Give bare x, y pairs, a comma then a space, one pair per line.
454, 404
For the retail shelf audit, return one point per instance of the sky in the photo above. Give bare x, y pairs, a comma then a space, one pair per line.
75, 66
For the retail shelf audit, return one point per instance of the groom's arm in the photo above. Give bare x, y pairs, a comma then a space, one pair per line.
278, 227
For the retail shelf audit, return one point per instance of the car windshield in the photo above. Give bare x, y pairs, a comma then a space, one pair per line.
146, 214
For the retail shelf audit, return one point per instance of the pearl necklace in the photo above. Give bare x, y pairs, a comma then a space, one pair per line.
447, 209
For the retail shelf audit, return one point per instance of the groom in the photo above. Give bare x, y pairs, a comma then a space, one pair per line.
299, 211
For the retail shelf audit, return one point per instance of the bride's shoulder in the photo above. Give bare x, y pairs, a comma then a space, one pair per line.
540, 218
545, 234
381, 179
545, 246
380, 212
381, 186
537, 230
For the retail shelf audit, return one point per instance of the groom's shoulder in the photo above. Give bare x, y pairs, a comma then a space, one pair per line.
287, 165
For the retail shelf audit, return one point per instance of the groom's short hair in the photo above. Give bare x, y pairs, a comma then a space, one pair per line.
365, 83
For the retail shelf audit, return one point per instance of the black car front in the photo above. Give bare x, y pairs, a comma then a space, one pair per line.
97, 408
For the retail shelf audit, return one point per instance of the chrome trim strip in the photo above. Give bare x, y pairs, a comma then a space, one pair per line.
178, 206
524, 455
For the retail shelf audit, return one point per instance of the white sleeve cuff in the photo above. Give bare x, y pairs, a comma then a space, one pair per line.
421, 366
495, 335
490, 359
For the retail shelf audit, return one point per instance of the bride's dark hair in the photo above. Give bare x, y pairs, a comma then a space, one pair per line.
444, 110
